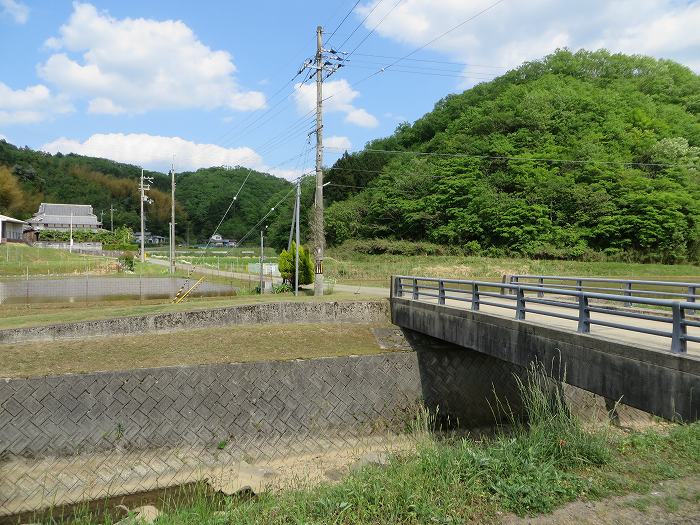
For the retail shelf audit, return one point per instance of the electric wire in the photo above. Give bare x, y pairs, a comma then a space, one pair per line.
328, 40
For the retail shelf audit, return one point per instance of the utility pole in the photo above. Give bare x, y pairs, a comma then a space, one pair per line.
70, 244
262, 247
172, 218
143, 188
326, 61
296, 256
318, 226
111, 218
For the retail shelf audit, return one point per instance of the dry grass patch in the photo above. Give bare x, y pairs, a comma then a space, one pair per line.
211, 345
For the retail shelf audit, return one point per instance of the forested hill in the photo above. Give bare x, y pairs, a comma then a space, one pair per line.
28, 177
570, 156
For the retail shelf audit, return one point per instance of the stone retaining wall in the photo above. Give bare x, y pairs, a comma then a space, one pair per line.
274, 312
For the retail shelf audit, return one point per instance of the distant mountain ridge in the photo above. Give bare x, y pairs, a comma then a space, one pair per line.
28, 177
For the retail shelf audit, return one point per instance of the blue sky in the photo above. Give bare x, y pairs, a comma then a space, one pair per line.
208, 81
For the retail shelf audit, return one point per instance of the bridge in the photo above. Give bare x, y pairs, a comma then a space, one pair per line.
632, 341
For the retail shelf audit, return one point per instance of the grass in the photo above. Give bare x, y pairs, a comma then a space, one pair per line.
20, 259
203, 346
376, 269
20, 316
531, 468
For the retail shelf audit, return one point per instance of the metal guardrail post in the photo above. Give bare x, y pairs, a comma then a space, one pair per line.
678, 341
692, 291
579, 285
541, 281
628, 293
475, 296
584, 315
514, 280
415, 288
505, 279
520, 304
441, 292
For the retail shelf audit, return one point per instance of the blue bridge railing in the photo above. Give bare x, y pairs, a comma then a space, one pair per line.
571, 304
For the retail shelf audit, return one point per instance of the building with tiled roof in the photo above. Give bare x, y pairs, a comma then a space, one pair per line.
61, 216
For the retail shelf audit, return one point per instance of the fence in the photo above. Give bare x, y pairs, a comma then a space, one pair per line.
91, 289
563, 303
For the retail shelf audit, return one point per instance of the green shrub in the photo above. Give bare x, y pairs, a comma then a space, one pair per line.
126, 262
282, 288
287, 265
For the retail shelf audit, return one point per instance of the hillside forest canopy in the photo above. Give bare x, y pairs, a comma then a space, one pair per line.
579, 155
584, 154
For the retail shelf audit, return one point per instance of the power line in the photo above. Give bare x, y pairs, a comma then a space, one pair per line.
358, 26
342, 21
427, 73
381, 70
466, 64
374, 28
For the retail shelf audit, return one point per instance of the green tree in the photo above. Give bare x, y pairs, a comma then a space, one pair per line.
287, 265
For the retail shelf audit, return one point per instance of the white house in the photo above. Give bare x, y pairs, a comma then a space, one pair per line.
218, 240
11, 229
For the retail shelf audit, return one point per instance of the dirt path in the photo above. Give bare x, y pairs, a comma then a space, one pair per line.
670, 502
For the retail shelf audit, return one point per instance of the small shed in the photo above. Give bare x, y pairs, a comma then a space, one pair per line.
11, 229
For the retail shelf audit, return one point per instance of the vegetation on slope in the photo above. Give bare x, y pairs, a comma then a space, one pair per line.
577, 153
28, 177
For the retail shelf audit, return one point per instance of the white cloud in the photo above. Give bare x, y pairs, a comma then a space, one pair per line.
338, 97
335, 142
513, 32
17, 10
156, 152
30, 105
135, 65
104, 106
360, 117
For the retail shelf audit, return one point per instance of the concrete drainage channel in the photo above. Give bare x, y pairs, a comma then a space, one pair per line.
134, 436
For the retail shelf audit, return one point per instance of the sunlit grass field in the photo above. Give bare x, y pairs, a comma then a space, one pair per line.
376, 269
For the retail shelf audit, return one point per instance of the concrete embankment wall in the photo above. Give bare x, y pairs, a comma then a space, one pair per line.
262, 407
274, 312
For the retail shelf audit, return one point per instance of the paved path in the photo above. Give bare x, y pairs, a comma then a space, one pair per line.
360, 290
627, 336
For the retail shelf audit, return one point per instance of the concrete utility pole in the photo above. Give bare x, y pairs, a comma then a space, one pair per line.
296, 255
70, 243
111, 218
143, 188
172, 219
262, 247
318, 226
